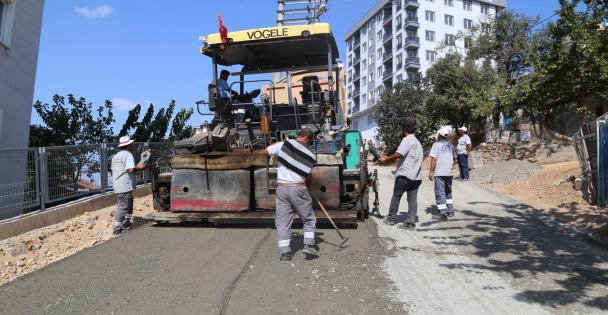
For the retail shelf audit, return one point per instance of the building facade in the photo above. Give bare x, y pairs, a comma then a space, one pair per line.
20, 27
397, 39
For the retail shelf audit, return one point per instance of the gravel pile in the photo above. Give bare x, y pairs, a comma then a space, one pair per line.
504, 172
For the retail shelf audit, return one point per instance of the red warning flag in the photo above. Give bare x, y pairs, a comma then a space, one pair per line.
223, 31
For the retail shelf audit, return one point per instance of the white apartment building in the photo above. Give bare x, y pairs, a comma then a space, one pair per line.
398, 38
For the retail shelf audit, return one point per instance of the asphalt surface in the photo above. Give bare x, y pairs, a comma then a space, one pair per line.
496, 256
201, 269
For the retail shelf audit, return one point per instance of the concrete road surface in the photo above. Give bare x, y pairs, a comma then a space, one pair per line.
495, 256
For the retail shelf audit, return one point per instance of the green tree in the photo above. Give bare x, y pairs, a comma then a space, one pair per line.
575, 65
71, 123
401, 105
131, 121
179, 129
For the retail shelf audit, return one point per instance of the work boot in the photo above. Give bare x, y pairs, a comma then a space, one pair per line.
285, 258
310, 250
390, 220
127, 225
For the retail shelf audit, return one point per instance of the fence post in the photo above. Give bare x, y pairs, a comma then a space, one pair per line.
103, 156
43, 178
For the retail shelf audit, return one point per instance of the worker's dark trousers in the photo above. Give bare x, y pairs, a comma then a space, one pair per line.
289, 201
402, 185
124, 210
463, 165
443, 194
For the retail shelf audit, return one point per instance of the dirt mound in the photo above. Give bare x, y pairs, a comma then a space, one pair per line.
31, 251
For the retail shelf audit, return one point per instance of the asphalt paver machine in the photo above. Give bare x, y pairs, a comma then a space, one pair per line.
219, 175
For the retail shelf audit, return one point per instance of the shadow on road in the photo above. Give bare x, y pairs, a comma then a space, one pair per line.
558, 266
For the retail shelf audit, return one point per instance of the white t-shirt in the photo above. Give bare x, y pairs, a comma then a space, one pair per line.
462, 144
285, 175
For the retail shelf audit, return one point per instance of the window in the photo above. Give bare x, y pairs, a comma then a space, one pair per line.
371, 96
371, 41
429, 16
467, 5
379, 72
468, 42
370, 26
399, 41
355, 125
430, 55
400, 78
485, 27
371, 77
378, 18
449, 3
364, 31
370, 119
363, 98
379, 53
399, 57
363, 64
398, 24
379, 35
485, 9
364, 47
449, 38
363, 82
468, 24
7, 12
430, 36
449, 20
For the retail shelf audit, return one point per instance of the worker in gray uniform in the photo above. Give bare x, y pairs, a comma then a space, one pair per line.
443, 158
409, 177
295, 172
123, 183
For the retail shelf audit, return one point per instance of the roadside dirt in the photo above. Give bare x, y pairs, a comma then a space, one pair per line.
34, 250
551, 192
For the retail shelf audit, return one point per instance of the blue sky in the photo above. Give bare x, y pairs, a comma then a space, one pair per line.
140, 51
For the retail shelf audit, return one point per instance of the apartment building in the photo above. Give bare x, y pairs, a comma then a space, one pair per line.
397, 39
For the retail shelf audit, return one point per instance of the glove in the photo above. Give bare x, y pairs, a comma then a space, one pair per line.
145, 158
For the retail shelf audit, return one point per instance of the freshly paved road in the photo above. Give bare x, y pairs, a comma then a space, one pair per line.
495, 256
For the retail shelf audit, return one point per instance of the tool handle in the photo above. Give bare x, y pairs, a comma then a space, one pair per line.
327, 215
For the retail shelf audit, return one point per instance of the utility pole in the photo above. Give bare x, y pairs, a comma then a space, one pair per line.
291, 12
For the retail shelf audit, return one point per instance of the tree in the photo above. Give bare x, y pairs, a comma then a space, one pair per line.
402, 105
179, 129
576, 64
71, 123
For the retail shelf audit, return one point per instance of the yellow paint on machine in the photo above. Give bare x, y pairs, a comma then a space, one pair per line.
277, 32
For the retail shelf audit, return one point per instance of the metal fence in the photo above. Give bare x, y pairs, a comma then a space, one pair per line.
35, 178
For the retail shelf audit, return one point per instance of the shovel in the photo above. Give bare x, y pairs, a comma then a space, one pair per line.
344, 239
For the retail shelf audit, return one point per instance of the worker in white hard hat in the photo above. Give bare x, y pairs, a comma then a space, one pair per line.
443, 158
463, 149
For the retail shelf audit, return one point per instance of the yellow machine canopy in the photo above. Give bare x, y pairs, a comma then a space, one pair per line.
274, 49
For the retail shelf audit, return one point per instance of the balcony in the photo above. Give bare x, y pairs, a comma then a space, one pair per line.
355, 109
387, 55
387, 74
411, 22
387, 36
356, 43
356, 60
412, 63
412, 42
356, 76
356, 93
388, 17
399, 46
411, 4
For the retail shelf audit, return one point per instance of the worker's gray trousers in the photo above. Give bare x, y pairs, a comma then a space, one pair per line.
443, 194
289, 201
124, 210
405, 185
